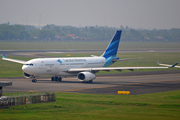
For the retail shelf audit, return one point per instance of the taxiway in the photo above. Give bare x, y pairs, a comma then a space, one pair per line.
103, 84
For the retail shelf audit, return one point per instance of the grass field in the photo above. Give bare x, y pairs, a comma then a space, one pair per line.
162, 106
84, 45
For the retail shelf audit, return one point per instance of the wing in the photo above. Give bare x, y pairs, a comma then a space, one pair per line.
13, 60
112, 68
116, 68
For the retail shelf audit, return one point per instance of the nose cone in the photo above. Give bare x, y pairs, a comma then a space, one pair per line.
25, 68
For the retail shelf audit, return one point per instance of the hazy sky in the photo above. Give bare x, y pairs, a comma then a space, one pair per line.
149, 14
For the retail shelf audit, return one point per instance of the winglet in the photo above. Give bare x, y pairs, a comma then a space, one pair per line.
157, 61
174, 65
4, 56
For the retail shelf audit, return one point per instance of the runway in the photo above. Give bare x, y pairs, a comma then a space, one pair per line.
103, 84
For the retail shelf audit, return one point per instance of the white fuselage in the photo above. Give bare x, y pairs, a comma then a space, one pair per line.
59, 66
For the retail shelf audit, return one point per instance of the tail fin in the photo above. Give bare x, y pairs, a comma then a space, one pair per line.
112, 48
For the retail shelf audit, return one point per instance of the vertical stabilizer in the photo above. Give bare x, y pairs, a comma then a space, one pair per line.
111, 51
112, 48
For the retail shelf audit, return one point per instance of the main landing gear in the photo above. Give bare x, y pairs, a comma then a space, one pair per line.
52, 79
56, 78
91, 81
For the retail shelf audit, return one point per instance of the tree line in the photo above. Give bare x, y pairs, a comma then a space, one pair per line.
89, 33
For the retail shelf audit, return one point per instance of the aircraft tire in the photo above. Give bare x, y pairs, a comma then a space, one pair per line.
60, 79
34, 80
52, 78
56, 78
91, 81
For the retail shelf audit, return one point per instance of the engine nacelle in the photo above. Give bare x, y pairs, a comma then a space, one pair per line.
27, 75
86, 76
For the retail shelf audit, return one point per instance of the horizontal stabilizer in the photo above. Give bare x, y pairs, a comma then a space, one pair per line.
129, 59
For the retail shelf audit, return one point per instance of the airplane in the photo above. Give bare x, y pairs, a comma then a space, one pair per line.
82, 67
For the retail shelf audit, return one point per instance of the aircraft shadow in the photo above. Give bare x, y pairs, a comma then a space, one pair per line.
94, 82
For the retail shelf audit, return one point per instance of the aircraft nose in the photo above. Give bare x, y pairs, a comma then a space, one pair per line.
25, 68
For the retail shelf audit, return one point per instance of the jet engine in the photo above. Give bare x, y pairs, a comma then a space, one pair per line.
86, 76
27, 75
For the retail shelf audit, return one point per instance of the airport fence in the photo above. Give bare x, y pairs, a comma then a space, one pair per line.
31, 98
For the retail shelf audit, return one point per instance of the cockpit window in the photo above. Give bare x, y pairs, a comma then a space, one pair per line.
29, 64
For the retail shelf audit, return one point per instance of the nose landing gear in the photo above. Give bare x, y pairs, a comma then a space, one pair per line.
34, 80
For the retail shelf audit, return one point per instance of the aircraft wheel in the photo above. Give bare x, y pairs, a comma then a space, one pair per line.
91, 81
60, 79
56, 78
34, 80
52, 78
